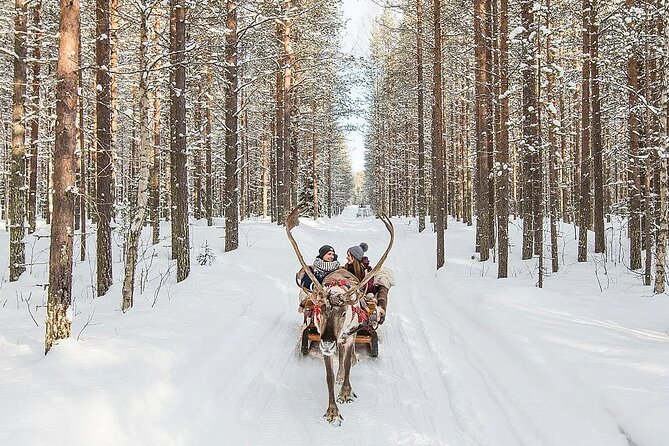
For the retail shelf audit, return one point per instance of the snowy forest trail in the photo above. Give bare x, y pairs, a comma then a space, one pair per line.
464, 359
432, 383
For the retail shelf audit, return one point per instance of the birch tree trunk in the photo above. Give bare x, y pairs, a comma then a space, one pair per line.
146, 155
60, 251
17, 209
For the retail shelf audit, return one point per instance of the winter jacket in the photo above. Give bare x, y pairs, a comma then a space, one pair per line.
320, 269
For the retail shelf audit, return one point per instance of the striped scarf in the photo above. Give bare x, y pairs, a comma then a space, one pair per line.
325, 267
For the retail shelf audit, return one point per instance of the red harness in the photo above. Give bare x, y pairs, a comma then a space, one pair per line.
362, 314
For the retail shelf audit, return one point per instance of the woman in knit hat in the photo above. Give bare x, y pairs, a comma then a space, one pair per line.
324, 263
358, 264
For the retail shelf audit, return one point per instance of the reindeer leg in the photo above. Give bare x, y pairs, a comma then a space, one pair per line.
332, 413
346, 394
354, 355
341, 352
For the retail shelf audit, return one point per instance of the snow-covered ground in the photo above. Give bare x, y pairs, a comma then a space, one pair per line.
465, 358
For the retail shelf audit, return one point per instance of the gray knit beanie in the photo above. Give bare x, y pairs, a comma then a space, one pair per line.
358, 251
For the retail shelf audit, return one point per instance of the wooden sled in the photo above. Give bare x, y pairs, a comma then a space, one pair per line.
365, 335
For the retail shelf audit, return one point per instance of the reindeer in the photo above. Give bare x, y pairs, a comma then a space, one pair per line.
336, 320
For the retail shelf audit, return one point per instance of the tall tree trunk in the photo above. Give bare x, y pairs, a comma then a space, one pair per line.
329, 167
530, 131
209, 204
538, 174
596, 133
503, 145
584, 199
83, 168
196, 155
421, 118
663, 217
552, 146
492, 117
280, 202
244, 147
146, 155
437, 136
103, 147
113, 87
480, 84
633, 173
180, 230
288, 102
154, 180
314, 165
34, 122
17, 208
231, 122
60, 251
264, 175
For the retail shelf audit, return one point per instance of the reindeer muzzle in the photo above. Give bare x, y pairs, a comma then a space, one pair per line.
328, 348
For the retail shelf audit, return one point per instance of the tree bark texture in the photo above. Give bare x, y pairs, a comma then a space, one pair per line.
17, 208
437, 136
633, 172
530, 124
231, 137
180, 230
60, 251
154, 180
34, 122
663, 152
146, 158
596, 132
421, 118
104, 164
503, 145
584, 198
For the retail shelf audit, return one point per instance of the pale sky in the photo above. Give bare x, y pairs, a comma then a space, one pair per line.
359, 15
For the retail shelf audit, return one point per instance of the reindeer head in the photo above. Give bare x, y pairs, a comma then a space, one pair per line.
333, 318
333, 311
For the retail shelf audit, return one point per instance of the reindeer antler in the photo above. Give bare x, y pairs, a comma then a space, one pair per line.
291, 221
391, 229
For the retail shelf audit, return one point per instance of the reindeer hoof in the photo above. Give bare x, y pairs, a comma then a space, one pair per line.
346, 396
332, 416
